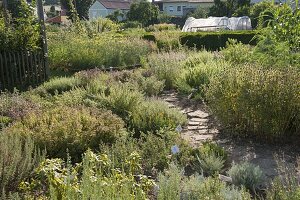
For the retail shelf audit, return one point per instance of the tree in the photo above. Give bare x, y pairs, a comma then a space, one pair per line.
230, 8
144, 12
198, 13
81, 6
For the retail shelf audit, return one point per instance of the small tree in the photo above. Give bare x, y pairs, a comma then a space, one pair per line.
198, 13
143, 12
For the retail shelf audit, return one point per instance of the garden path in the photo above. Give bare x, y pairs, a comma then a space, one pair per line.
202, 126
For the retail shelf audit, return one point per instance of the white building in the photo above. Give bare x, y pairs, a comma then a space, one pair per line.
102, 8
180, 8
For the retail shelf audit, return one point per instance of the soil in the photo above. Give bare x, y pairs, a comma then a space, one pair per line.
203, 126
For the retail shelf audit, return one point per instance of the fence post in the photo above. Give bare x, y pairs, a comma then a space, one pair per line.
42, 23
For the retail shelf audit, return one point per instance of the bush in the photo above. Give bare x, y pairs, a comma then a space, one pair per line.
75, 53
254, 100
95, 177
237, 53
75, 129
58, 86
151, 86
18, 159
215, 40
198, 77
210, 159
161, 27
120, 98
15, 106
173, 185
246, 174
153, 115
167, 66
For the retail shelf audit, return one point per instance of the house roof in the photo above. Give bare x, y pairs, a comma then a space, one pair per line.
187, 1
115, 4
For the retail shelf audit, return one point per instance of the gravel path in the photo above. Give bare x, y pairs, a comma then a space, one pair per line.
202, 127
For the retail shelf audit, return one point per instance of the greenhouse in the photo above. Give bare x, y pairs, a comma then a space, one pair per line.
217, 23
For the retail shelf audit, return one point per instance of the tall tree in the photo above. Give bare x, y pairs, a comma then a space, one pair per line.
144, 12
81, 6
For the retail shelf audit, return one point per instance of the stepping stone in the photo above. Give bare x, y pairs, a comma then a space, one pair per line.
171, 99
203, 132
203, 137
191, 123
198, 114
187, 110
213, 131
192, 128
199, 120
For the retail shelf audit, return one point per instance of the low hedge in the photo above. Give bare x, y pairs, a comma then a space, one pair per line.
216, 40
210, 40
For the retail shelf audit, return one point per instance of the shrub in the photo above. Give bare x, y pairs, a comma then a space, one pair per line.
102, 52
75, 129
121, 99
209, 148
209, 164
173, 185
148, 84
169, 184
153, 115
94, 178
250, 99
161, 27
199, 76
246, 174
237, 53
167, 66
15, 106
215, 40
18, 159
58, 86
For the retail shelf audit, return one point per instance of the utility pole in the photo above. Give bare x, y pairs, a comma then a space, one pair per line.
40, 10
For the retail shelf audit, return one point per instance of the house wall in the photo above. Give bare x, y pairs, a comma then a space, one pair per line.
176, 8
97, 10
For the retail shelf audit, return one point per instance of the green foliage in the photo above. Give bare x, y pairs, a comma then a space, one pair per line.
22, 31
210, 159
16, 164
246, 174
153, 115
163, 18
167, 66
82, 7
144, 12
259, 13
254, 100
75, 129
173, 185
237, 53
95, 177
230, 8
75, 52
200, 12
285, 186
15, 106
161, 27
216, 40
58, 86
199, 69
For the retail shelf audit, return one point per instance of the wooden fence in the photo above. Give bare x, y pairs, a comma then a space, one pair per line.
22, 69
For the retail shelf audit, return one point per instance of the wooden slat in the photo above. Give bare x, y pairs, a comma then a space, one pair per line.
1, 72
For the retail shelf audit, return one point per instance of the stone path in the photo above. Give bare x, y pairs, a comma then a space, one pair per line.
202, 127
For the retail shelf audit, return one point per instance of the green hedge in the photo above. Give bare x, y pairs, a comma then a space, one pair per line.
210, 40
216, 40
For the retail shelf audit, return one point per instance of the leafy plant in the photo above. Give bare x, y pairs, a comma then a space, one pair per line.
16, 164
246, 174
75, 129
153, 115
